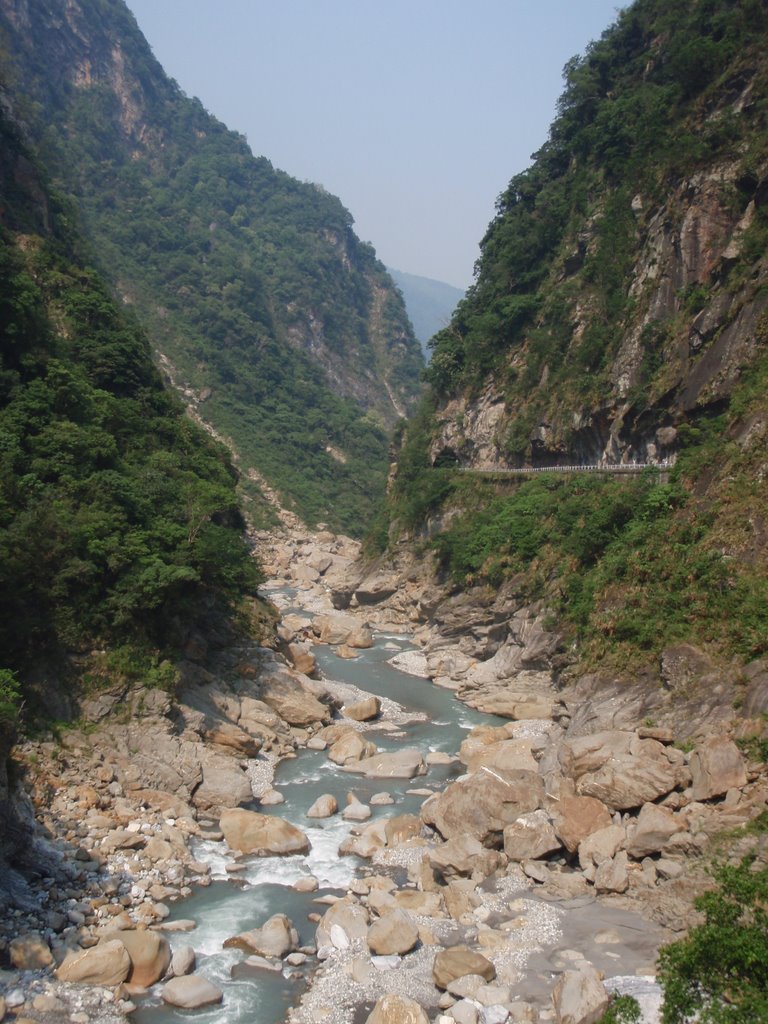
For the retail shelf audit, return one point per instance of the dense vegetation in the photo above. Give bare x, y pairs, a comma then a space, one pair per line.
718, 974
645, 106
279, 324
627, 565
119, 520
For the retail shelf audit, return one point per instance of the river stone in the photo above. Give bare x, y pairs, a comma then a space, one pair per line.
150, 954
223, 785
400, 764
601, 846
351, 747
355, 810
182, 961
612, 875
191, 992
507, 754
334, 628
654, 828
351, 918
580, 997
262, 834
623, 785
394, 1009
323, 807
292, 699
363, 710
302, 658
463, 855
394, 932
716, 766
360, 638
576, 817
107, 964
530, 837
30, 952
483, 803
402, 827
452, 963
272, 939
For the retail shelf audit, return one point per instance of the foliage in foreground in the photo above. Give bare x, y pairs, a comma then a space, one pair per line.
718, 974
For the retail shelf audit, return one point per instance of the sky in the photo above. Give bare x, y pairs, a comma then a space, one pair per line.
416, 113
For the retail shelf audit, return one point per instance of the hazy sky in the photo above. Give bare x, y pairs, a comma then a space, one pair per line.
416, 113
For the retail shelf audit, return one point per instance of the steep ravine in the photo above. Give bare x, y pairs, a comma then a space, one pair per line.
567, 808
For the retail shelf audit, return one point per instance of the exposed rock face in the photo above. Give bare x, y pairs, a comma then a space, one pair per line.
262, 834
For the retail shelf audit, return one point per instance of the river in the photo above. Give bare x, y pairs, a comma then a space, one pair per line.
433, 720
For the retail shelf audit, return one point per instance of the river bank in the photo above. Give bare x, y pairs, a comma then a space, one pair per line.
521, 831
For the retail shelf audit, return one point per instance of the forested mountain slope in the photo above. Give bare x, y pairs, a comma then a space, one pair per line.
281, 328
620, 313
429, 303
120, 528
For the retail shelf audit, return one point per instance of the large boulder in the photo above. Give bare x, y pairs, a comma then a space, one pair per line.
580, 997
716, 766
484, 803
224, 784
291, 698
600, 846
394, 932
623, 785
613, 875
463, 855
530, 837
335, 628
107, 964
263, 834
323, 807
150, 954
619, 767
654, 828
273, 939
351, 747
399, 764
577, 817
453, 963
393, 1009
506, 754
345, 919
363, 710
191, 992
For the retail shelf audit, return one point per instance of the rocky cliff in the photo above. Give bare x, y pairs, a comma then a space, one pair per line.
620, 287
281, 329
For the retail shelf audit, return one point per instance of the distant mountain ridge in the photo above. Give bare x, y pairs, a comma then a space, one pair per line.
429, 303
281, 329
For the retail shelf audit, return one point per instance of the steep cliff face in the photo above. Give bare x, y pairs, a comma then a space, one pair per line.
620, 315
282, 329
622, 283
